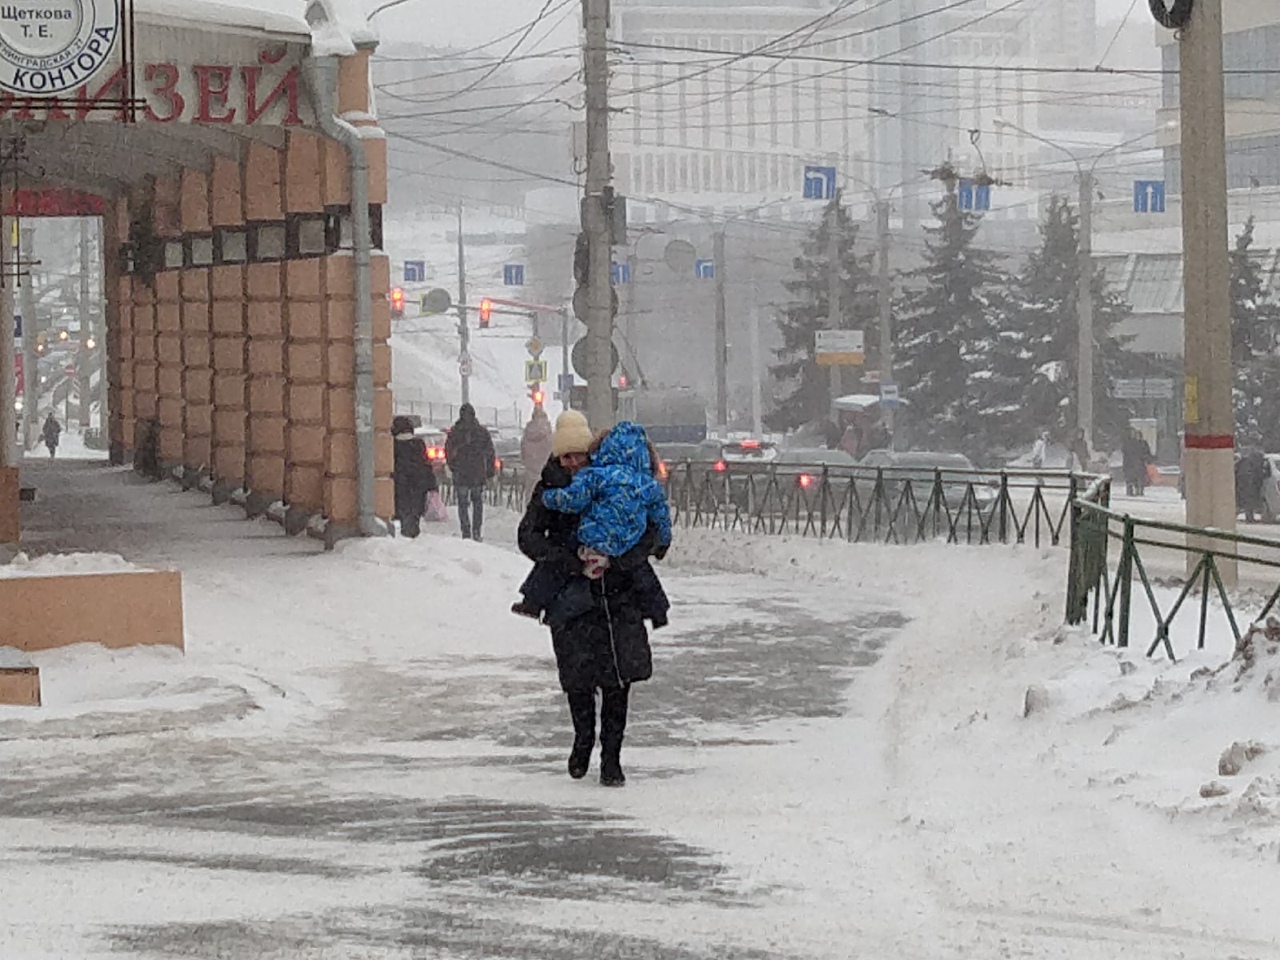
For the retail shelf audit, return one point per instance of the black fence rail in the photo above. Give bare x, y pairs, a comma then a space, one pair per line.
1177, 571
860, 505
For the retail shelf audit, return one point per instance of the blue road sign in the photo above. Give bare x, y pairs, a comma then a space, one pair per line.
566, 383
621, 273
704, 269
513, 275
974, 197
1148, 196
819, 183
17, 326
415, 271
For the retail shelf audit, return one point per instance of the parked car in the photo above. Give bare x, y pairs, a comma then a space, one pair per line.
922, 469
805, 467
722, 453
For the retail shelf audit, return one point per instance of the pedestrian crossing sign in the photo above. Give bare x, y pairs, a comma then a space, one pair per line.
535, 371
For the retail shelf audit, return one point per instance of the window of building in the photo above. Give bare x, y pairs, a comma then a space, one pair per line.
231, 246
200, 251
175, 255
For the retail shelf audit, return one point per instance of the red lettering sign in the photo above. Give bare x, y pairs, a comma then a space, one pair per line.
55, 203
213, 84
166, 90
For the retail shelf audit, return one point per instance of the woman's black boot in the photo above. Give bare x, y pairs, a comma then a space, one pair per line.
582, 707
613, 724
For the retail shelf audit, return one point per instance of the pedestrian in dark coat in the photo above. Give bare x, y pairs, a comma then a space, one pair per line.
1251, 476
469, 453
1136, 455
51, 434
601, 642
413, 476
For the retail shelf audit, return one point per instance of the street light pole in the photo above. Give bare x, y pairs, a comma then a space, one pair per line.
1084, 309
722, 337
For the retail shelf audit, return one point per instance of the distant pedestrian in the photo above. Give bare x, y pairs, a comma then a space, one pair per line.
413, 476
1251, 477
1040, 451
51, 434
535, 449
1136, 456
469, 453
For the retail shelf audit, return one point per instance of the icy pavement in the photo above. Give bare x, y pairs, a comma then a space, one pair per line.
361, 756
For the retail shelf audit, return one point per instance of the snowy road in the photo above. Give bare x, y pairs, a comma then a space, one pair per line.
361, 756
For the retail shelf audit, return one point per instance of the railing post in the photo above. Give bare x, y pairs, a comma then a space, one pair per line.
1075, 569
1004, 507
1125, 585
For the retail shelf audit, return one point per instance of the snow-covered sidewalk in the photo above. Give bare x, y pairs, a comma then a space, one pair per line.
361, 754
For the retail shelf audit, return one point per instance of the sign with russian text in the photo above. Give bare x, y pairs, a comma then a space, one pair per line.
839, 348
51, 47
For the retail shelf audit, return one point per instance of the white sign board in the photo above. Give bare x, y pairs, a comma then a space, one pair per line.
840, 348
1151, 388
51, 48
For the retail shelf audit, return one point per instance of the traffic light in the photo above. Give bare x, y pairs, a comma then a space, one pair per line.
486, 311
537, 396
397, 303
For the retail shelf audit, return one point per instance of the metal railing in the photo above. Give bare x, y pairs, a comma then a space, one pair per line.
860, 505
440, 414
1168, 564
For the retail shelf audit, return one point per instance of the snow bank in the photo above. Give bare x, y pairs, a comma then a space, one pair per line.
67, 565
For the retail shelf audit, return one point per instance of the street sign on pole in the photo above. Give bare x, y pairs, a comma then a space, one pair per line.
535, 371
819, 183
566, 383
704, 269
579, 358
435, 302
889, 394
1148, 196
1150, 388
840, 348
973, 196
415, 271
534, 346
464, 364
621, 273
513, 275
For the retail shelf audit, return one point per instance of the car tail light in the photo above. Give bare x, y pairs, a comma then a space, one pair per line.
663, 472
750, 445
805, 480
497, 463
720, 466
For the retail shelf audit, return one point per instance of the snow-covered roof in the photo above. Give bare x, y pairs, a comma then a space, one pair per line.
336, 27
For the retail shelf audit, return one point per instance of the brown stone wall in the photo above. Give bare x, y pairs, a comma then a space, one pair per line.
118, 315
169, 368
265, 443
227, 324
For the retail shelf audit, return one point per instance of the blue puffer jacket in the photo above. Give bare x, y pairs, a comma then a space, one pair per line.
616, 496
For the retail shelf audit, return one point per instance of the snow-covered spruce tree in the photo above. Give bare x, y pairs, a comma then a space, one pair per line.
1255, 337
803, 389
1038, 349
945, 322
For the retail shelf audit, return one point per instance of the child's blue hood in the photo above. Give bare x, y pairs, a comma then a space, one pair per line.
625, 446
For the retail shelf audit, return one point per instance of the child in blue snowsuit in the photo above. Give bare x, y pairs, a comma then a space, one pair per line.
617, 499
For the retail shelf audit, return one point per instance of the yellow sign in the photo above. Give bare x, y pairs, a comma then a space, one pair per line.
1192, 398
535, 371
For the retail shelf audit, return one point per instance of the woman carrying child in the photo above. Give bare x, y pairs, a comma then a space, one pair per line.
600, 603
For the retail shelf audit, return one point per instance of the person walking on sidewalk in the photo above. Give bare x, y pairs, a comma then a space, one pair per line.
469, 453
413, 476
602, 644
535, 449
51, 434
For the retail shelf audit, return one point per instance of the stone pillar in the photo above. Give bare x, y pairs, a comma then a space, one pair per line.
197, 345
305, 399
169, 369
145, 366
227, 326
340, 502
118, 334
264, 478
383, 407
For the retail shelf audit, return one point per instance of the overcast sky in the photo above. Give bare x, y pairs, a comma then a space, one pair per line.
448, 22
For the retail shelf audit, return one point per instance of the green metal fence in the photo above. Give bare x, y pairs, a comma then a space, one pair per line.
860, 505
1175, 570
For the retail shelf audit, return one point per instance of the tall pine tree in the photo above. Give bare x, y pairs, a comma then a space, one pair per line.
944, 333
1038, 349
803, 392
1255, 336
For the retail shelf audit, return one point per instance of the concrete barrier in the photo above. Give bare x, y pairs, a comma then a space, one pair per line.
19, 680
113, 609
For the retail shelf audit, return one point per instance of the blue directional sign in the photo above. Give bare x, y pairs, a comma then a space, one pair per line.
621, 273
974, 197
17, 326
819, 183
704, 269
1148, 196
415, 271
513, 275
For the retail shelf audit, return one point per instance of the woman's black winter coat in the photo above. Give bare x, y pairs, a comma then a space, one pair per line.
605, 643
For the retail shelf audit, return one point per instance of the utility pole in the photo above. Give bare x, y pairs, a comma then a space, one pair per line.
885, 298
757, 361
464, 333
722, 337
10, 456
833, 288
1084, 310
565, 369
30, 358
1210, 419
596, 218
86, 329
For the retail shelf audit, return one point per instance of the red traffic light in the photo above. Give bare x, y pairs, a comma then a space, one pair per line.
538, 397
486, 311
397, 301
